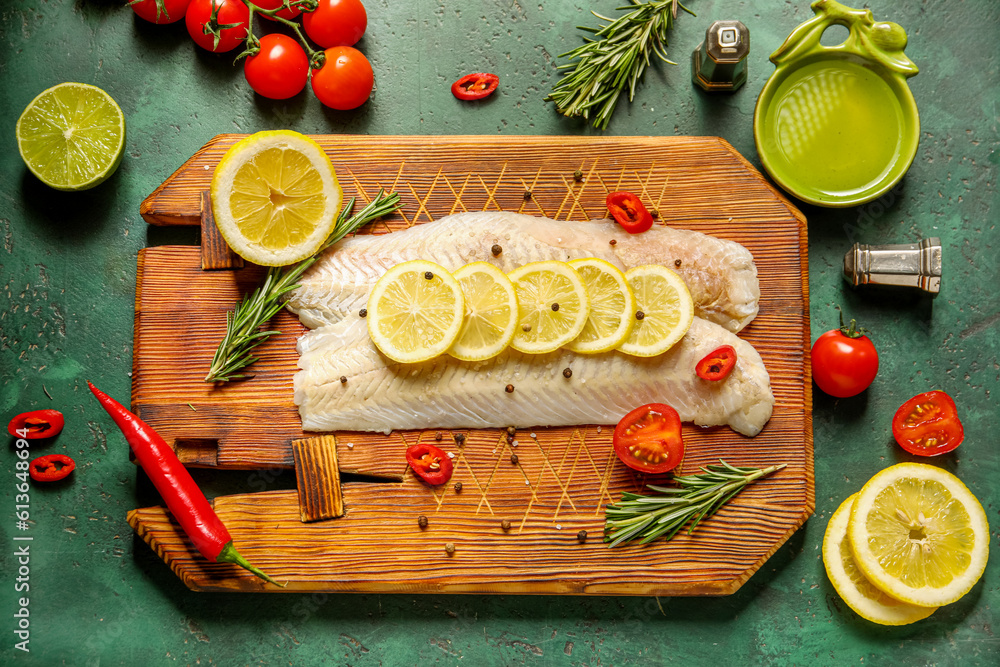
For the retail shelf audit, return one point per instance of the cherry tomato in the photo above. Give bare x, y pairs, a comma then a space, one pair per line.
928, 424
51, 468
288, 13
648, 439
429, 463
160, 11
717, 364
844, 361
229, 12
475, 86
36, 424
629, 212
345, 80
280, 70
336, 23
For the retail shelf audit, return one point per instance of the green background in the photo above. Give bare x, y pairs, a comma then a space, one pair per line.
68, 262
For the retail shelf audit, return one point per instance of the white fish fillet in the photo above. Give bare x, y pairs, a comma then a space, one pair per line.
382, 395
720, 274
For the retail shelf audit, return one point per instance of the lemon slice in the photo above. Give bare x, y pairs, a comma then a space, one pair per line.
667, 310
415, 311
490, 312
612, 307
919, 534
552, 306
852, 586
72, 136
275, 197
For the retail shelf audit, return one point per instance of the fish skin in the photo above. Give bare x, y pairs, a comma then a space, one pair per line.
382, 395
720, 274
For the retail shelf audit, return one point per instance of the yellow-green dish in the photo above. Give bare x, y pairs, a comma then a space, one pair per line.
837, 125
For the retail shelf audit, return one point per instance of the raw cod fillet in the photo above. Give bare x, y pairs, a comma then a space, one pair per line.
382, 395
720, 274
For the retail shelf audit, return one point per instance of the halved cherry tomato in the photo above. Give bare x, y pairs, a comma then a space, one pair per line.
36, 424
51, 468
648, 439
429, 463
475, 86
629, 212
928, 424
717, 364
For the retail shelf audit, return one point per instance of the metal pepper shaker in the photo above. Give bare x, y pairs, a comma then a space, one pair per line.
899, 265
720, 62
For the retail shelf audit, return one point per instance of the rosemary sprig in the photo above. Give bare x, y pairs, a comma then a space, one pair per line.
616, 57
243, 324
698, 497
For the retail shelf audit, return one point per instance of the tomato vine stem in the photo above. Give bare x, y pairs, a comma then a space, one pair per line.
252, 48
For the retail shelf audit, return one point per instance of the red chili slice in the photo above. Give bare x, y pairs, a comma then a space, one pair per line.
648, 439
717, 364
36, 424
629, 212
475, 86
928, 424
429, 463
51, 468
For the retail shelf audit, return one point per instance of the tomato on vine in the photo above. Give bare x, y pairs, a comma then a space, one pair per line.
844, 361
345, 80
217, 25
160, 11
279, 70
336, 22
287, 13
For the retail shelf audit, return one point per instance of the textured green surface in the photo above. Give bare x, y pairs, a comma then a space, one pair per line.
67, 266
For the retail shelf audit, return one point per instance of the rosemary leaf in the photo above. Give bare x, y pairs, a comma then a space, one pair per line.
243, 324
696, 498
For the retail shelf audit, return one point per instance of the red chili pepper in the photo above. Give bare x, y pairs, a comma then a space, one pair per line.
173, 481
717, 364
629, 212
36, 424
475, 86
51, 468
429, 463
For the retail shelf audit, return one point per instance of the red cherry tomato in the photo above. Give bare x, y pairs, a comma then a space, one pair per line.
288, 13
229, 12
717, 364
51, 468
928, 424
279, 70
429, 463
345, 80
36, 424
475, 86
648, 439
160, 11
336, 23
629, 212
844, 361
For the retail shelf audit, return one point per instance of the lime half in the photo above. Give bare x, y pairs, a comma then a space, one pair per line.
72, 136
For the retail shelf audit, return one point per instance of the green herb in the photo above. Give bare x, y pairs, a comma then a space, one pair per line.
699, 497
616, 57
243, 324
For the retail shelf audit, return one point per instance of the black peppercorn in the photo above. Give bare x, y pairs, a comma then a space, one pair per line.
449, 548
459, 438
343, 379
577, 175
567, 373
363, 312
613, 242
496, 249
458, 487
655, 213
513, 459
428, 275
422, 521
505, 524
555, 306
639, 314
527, 195
511, 430
509, 389
582, 536
677, 263
438, 436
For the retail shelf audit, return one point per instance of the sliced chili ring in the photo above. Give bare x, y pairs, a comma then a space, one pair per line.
928, 424
717, 364
51, 467
36, 424
475, 86
429, 463
629, 212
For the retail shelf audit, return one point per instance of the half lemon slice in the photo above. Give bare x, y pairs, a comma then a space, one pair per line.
275, 197
415, 311
851, 584
612, 307
919, 534
490, 312
552, 306
664, 312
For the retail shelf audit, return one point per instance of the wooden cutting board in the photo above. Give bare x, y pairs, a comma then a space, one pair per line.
563, 477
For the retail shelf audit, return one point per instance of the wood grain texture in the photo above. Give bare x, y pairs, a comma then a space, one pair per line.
215, 252
564, 476
317, 478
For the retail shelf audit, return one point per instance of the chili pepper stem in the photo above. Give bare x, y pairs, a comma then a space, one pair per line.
229, 554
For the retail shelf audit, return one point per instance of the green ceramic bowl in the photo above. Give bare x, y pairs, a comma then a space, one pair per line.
837, 125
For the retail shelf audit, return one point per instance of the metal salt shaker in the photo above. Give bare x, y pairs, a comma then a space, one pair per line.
899, 265
720, 62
